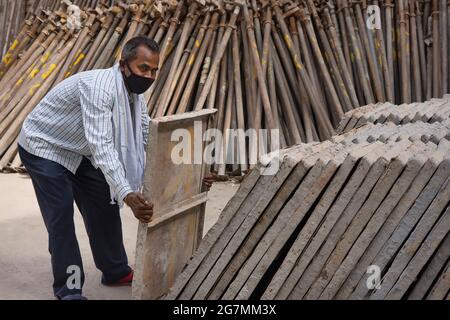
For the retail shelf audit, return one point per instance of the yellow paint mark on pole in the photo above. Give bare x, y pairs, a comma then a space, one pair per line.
14, 45
297, 62
45, 57
7, 59
191, 59
34, 88
49, 71
288, 41
116, 54
33, 73
80, 57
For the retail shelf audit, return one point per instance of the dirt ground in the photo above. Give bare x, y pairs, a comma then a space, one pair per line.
25, 271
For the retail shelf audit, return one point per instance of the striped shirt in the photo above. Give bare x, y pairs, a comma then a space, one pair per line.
74, 120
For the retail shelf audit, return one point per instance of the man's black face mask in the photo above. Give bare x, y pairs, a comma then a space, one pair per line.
135, 83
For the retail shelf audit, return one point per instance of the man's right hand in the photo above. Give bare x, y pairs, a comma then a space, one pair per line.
142, 209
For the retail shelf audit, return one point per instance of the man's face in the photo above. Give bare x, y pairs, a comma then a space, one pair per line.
145, 64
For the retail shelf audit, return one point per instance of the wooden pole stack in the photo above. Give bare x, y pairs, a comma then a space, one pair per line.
13, 14
364, 215
49, 49
295, 66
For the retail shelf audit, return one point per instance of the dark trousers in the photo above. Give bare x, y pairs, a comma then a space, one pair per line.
56, 189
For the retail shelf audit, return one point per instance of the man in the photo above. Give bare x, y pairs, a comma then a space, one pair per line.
85, 141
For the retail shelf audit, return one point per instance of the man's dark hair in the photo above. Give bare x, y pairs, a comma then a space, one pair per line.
129, 51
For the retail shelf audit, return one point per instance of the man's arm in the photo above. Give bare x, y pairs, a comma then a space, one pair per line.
96, 109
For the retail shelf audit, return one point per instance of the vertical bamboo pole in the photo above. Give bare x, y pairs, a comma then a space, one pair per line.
242, 152
337, 49
220, 52
421, 45
436, 50
162, 107
361, 72
415, 54
443, 20
337, 109
404, 52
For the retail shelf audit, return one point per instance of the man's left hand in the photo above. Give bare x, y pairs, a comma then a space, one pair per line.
208, 181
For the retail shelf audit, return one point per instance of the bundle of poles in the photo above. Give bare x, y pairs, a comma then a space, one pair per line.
13, 14
294, 67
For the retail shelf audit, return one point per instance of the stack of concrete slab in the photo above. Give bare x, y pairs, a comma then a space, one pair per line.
435, 110
424, 132
365, 215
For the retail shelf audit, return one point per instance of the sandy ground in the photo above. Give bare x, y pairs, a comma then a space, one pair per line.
25, 271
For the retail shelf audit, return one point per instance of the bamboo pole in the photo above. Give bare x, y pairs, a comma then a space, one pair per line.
220, 52
37, 90
443, 33
343, 67
323, 121
437, 91
415, 54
